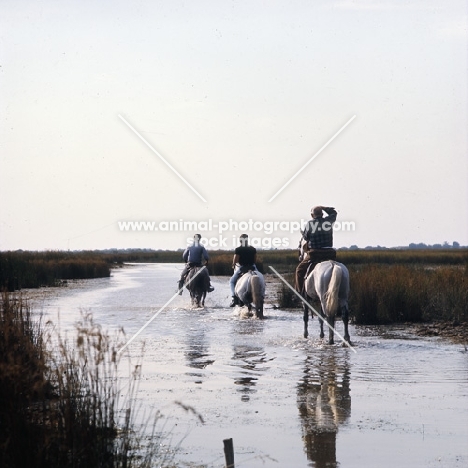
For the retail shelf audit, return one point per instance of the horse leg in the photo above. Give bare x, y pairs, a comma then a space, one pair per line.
331, 334
306, 321
259, 311
257, 295
321, 323
345, 318
203, 299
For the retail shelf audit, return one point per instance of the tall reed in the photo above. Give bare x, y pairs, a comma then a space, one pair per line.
62, 405
403, 293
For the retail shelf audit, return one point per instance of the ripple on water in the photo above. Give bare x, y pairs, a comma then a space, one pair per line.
403, 361
255, 377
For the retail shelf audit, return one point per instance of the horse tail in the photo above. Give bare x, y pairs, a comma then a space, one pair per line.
332, 299
257, 296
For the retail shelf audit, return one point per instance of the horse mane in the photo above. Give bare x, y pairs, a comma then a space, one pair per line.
331, 296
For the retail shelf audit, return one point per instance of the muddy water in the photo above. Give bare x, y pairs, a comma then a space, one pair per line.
285, 401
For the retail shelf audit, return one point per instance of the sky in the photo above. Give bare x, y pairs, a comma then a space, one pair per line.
203, 111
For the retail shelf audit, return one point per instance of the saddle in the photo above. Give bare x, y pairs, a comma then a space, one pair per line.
192, 266
310, 268
319, 256
245, 269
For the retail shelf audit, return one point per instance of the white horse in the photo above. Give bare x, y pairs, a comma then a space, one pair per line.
250, 288
329, 283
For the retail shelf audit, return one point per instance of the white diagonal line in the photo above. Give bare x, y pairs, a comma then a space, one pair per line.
161, 158
312, 158
160, 310
308, 305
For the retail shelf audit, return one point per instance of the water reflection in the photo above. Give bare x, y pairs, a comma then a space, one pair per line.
249, 357
197, 352
324, 402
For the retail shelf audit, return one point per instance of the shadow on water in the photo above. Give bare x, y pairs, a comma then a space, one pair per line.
324, 403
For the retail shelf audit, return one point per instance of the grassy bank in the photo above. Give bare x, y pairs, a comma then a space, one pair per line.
286, 260
408, 293
386, 285
25, 269
63, 406
20, 270
400, 286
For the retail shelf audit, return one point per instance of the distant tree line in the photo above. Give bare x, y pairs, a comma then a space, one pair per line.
411, 246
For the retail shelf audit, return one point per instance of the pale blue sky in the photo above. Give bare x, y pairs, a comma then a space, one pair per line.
237, 96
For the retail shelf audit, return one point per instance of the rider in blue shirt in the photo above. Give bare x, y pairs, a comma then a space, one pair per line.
193, 257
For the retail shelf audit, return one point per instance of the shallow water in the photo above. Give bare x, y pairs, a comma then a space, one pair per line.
285, 401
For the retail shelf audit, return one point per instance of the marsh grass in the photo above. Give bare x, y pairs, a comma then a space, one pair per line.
400, 256
387, 286
26, 269
22, 379
394, 286
408, 293
64, 405
20, 270
284, 260
287, 299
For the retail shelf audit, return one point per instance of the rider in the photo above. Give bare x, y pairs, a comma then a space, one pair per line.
193, 257
319, 236
244, 260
